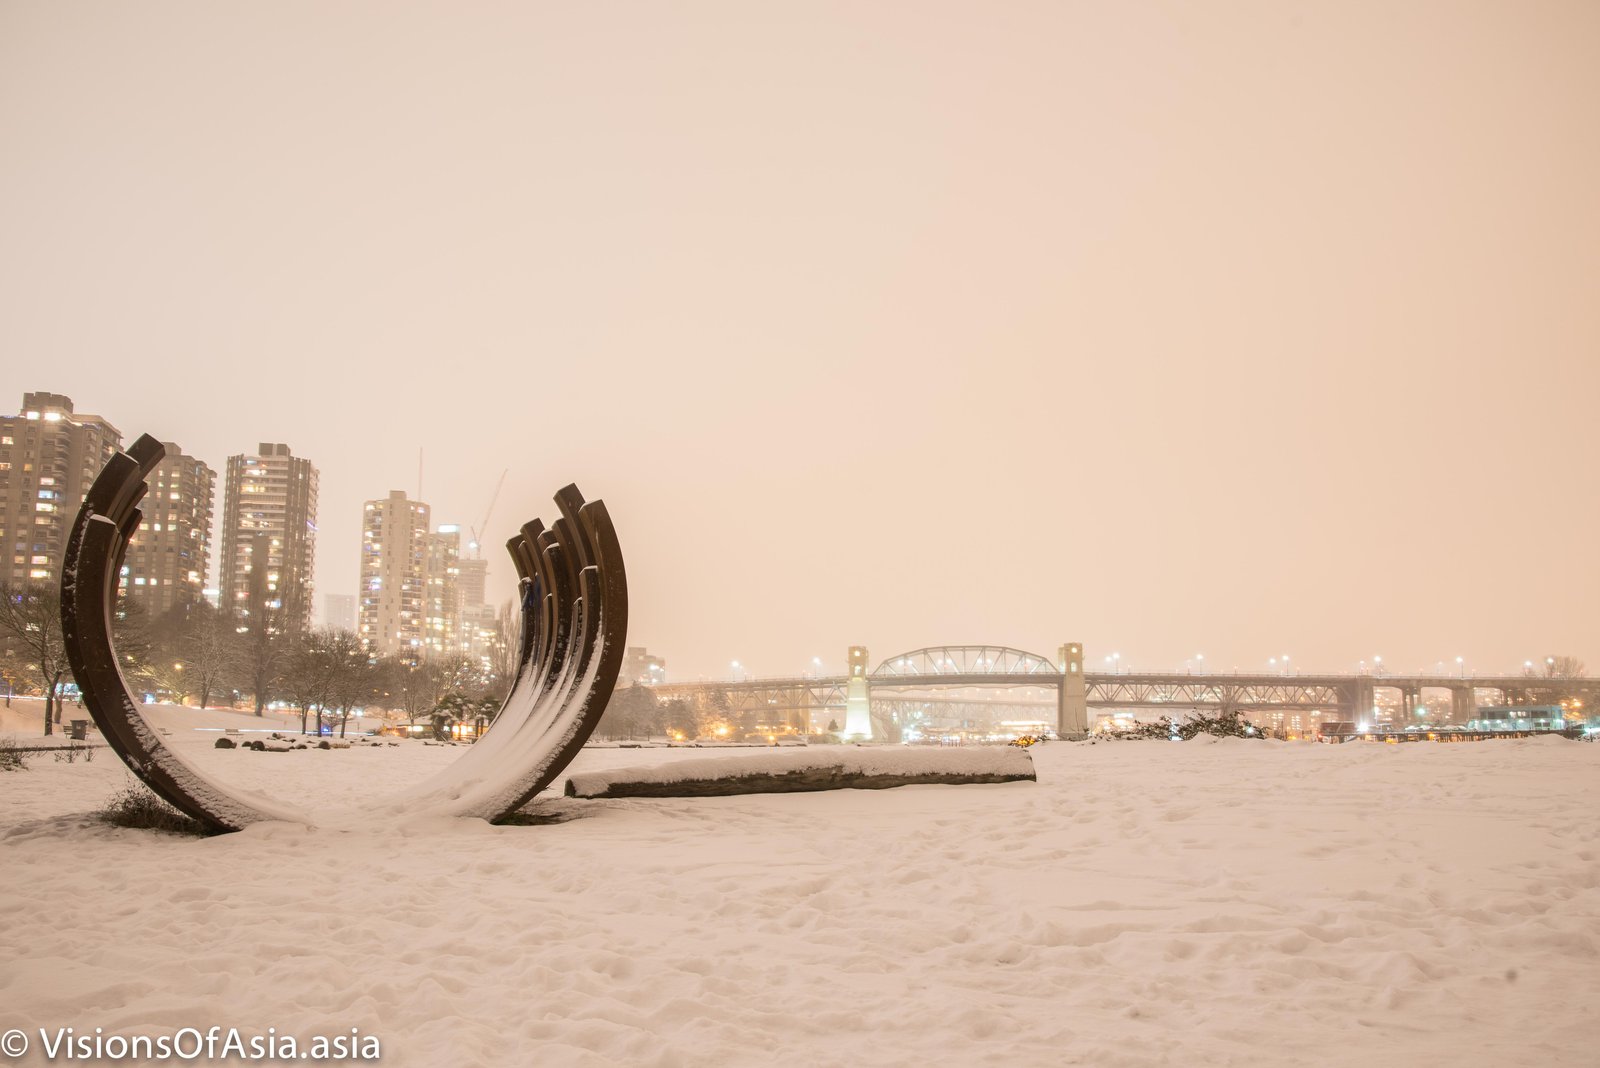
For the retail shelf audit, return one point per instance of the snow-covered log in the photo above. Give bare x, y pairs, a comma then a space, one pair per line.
790, 771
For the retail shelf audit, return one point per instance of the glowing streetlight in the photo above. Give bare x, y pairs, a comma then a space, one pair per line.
1461, 666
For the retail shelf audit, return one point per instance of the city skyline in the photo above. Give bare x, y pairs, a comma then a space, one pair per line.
1273, 333
827, 660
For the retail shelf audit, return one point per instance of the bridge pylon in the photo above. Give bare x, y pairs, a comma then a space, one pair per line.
1072, 698
858, 698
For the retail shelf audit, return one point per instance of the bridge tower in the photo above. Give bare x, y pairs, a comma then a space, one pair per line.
858, 700
1072, 699
1363, 703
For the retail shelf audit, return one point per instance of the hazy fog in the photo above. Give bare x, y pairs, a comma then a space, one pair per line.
1234, 328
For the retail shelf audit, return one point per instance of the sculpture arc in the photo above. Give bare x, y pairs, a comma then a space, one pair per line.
574, 616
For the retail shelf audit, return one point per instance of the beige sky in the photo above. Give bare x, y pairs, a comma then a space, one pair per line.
1235, 328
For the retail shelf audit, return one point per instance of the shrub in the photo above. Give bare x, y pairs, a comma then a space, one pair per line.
1222, 724
137, 807
12, 756
73, 751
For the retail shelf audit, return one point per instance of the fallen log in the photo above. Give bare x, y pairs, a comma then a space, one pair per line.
789, 771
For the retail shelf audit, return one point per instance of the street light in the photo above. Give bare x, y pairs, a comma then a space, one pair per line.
1461, 666
736, 670
1377, 665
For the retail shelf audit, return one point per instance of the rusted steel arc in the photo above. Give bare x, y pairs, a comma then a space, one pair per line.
574, 617
608, 591
89, 581
526, 735
556, 726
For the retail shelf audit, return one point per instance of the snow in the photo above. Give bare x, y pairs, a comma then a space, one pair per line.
849, 760
1143, 903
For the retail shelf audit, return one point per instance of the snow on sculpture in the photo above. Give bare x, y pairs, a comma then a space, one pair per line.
574, 626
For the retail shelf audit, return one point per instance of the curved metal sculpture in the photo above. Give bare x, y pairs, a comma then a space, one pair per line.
574, 625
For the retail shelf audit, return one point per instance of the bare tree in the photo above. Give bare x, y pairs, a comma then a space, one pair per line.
633, 712
310, 678
1564, 667
266, 655
135, 640
507, 643
212, 653
353, 674
30, 625
197, 650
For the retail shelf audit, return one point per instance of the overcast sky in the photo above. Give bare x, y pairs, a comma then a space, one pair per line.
1228, 328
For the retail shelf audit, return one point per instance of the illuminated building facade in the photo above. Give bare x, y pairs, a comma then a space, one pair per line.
49, 456
269, 539
169, 554
395, 553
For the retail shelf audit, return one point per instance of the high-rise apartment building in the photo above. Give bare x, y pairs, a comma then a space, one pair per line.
49, 456
480, 627
444, 591
339, 611
395, 553
269, 538
168, 555
410, 603
640, 666
474, 581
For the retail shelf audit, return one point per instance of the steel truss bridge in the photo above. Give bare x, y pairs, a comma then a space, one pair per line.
941, 681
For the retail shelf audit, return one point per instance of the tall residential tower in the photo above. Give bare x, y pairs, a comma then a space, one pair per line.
169, 554
269, 538
393, 601
49, 456
410, 602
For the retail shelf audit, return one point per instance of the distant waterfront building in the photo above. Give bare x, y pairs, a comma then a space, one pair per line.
49, 456
269, 538
169, 554
339, 611
638, 665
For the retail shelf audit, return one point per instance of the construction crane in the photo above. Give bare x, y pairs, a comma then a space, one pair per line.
483, 524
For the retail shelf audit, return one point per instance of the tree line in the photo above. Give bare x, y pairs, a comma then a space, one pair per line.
197, 653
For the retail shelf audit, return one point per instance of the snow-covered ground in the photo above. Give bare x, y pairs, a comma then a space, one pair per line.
1241, 903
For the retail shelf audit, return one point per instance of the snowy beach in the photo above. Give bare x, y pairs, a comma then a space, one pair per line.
1224, 902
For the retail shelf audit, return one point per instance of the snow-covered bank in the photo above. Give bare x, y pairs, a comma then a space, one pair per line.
1143, 903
